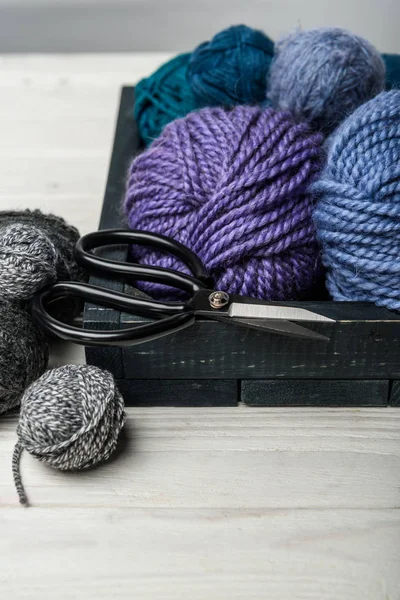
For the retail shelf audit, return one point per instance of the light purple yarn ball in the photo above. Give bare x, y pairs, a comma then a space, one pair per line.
232, 186
322, 75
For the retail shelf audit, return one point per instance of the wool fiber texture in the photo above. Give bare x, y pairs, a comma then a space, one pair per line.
233, 187
392, 64
163, 97
61, 240
28, 261
322, 75
23, 353
231, 68
357, 214
70, 419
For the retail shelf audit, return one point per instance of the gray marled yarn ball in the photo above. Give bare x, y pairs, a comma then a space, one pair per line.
62, 236
322, 75
28, 261
23, 353
70, 418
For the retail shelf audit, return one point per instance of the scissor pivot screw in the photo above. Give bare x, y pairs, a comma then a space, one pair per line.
218, 299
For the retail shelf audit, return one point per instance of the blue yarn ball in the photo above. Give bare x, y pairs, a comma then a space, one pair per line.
357, 213
322, 75
231, 68
164, 96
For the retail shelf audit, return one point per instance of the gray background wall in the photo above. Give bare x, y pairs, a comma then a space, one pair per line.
124, 25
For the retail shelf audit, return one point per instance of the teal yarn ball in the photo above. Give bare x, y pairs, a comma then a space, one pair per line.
231, 68
392, 64
163, 97
323, 75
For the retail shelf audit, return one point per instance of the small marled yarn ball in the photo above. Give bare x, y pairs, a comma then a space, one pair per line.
357, 214
23, 353
231, 68
232, 186
322, 75
70, 419
35, 249
163, 97
28, 261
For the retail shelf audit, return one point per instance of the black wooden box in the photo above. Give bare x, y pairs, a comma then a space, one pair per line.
215, 364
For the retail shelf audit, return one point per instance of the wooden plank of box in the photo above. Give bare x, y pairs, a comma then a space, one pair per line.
313, 392
180, 392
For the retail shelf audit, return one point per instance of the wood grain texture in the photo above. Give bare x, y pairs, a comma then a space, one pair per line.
249, 503
180, 392
395, 393
303, 392
229, 457
217, 553
355, 350
224, 503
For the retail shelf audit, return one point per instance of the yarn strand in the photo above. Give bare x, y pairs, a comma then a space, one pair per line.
16, 460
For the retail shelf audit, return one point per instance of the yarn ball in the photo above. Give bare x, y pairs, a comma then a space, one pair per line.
28, 261
392, 64
70, 419
23, 353
358, 210
231, 68
232, 186
163, 97
62, 235
322, 75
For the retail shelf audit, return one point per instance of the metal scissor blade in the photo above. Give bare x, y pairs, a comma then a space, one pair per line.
281, 326
239, 310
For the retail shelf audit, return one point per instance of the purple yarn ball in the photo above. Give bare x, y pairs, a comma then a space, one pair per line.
233, 187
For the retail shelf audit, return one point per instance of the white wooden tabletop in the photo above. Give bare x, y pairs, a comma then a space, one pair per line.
282, 504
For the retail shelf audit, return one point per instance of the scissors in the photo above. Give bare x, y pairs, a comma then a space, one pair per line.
204, 302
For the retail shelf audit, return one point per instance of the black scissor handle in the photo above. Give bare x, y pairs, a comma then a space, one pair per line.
179, 316
132, 271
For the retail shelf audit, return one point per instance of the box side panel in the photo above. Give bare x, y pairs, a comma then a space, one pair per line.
179, 392
355, 350
394, 393
273, 392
